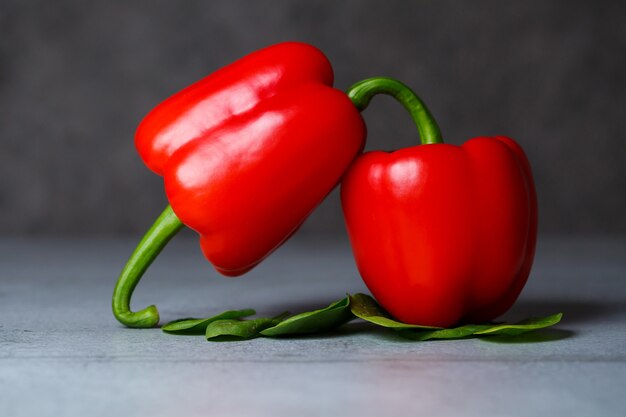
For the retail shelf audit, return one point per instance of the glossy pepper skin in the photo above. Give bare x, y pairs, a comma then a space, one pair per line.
443, 234
249, 151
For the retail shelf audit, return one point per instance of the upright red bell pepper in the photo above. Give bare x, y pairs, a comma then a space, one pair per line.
441, 234
246, 154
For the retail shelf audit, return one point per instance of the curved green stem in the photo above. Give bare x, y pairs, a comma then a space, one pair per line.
362, 92
163, 229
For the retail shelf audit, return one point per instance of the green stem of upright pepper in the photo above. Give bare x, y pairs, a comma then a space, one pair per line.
164, 228
362, 92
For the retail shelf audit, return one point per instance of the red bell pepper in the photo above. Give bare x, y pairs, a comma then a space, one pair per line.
441, 234
246, 154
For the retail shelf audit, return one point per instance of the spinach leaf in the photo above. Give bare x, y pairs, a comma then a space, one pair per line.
228, 326
485, 329
192, 326
365, 307
522, 326
232, 330
453, 333
317, 321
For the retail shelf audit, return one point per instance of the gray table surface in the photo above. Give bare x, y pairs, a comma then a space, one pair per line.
63, 354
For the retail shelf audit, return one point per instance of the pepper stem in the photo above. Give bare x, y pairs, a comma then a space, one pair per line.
163, 229
362, 92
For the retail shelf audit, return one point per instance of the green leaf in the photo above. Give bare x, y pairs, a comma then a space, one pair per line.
228, 326
454, 333
522, 326
231, 330
485, 329
365, 307
192, 326
317, 321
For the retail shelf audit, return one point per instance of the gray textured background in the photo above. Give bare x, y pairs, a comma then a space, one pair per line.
76, 77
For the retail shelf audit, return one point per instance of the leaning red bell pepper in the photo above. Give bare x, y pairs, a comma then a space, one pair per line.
246, 154
441, 234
